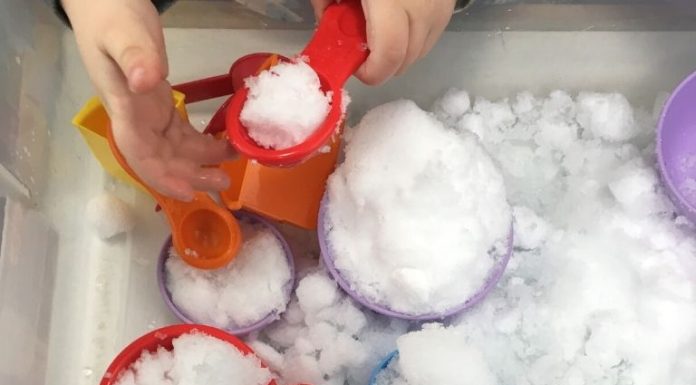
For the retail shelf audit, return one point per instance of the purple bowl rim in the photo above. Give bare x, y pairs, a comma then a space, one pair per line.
268, 319
682, 205
494, 275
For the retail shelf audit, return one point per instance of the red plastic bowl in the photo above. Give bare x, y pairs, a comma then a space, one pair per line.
163, 337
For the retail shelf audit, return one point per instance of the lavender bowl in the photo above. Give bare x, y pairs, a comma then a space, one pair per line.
676, 147
329, 261
239, 331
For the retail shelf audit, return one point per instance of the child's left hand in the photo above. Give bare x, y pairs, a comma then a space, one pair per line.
399, 32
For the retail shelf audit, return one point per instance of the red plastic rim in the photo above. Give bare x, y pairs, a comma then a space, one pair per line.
245, 145
163, 337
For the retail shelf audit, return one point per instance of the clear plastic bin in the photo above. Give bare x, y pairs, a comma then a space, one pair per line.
69, 302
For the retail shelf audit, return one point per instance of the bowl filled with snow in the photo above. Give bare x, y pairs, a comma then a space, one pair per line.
246, 295
420, 237
676, 147
187, 354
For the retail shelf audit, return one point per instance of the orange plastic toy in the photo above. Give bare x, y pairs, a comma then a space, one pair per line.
206, 235
285, 194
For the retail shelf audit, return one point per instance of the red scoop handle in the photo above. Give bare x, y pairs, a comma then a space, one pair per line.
339, 45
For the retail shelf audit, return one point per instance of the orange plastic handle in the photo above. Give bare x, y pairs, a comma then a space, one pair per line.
205, 235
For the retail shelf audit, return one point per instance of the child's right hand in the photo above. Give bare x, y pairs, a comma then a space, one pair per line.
399, 32
122, 46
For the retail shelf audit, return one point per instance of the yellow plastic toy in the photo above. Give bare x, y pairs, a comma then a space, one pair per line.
92, 121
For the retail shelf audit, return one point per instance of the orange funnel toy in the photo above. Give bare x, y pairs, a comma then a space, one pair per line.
204, 234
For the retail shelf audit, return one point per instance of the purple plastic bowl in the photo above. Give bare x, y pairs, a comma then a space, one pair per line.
676, 147
267, 320
327, 256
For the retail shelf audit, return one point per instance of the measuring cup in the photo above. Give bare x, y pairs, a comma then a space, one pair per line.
163, 338
239, 330
676, 147
328, 257
336, 51
207, 236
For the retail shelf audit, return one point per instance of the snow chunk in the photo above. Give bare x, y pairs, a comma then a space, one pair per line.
285, 105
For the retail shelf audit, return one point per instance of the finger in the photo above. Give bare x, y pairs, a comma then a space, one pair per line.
387, 25
153, 172
319, 7
417, 35
436, 30
136, 44
199, 178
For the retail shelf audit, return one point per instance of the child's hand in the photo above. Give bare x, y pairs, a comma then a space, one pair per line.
122, 46
399, 32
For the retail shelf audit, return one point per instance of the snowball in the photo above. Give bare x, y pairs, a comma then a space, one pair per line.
606, 116
417, 233
268, 354
285, 105
109, 216
195, 359
530, 230
634, 187
452, 105
252, 286
438, 356
316, 292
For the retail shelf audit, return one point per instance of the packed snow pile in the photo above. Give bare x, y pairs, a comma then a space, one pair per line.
601, 288
253, 285
285, 105
417, 213
196, 358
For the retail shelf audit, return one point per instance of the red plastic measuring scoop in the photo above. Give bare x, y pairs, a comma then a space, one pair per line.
336, 51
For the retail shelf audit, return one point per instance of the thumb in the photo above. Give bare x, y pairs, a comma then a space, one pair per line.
137, 48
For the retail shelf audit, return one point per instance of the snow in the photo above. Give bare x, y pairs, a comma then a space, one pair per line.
437, 356
333, 342
419, 233
195, 359
601, 288
252, 286
285, 105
